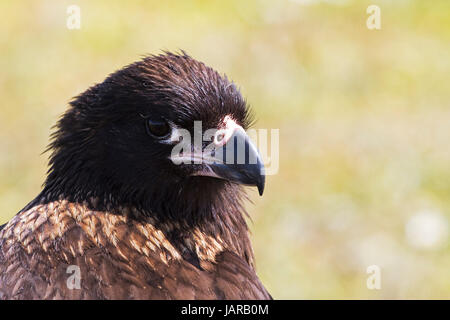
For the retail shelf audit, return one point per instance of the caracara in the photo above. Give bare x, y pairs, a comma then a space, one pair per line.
123, 216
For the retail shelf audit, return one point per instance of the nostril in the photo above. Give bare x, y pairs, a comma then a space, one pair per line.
219, 137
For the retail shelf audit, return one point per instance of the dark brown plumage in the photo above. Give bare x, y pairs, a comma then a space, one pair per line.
135, 224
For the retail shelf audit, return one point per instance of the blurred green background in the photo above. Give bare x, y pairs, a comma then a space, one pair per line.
364, 119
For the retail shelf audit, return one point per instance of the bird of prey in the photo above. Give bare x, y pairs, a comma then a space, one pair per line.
123, 216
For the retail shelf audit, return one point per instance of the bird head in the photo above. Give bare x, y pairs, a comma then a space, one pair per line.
166, 133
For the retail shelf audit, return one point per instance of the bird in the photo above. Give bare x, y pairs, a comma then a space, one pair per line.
121, 215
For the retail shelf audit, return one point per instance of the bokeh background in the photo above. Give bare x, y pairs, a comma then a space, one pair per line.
364, 117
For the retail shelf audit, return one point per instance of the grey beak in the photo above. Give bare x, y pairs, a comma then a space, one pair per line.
237, 161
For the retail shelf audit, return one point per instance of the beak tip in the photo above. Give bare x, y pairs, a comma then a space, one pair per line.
261, 185
260, 190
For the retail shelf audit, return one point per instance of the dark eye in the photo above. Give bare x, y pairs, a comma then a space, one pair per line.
158, 128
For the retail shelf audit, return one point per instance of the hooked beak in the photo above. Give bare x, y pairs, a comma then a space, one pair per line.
238, 161
234, 158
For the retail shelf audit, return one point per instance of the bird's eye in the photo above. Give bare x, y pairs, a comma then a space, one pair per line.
158, 129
